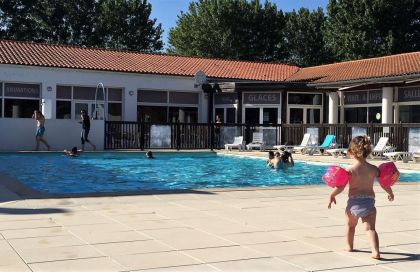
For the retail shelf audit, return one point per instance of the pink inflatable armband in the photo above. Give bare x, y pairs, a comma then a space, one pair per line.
388, 174
336, 176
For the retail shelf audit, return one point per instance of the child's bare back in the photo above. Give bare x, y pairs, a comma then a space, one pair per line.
363, 175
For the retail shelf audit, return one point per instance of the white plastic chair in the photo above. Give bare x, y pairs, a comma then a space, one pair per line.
257, 141
381, 147
237, 143
302, 147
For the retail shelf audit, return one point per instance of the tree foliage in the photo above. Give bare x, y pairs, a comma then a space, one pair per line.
122, 24
233, 29
304, 40
358, 29
126, 25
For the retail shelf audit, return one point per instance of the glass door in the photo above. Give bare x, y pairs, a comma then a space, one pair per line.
230, 115
296, 116
97, 113
219, 112
313, 116
78, 107
270, 115
252, 115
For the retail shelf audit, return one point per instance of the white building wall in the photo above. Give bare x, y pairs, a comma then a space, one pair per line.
50, 77
18, 134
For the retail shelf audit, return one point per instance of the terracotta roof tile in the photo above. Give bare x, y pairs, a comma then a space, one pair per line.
395, 65
60, 56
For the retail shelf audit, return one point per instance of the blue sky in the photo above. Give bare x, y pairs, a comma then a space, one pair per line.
166, 11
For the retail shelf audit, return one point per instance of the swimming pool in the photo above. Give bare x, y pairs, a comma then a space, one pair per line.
114, 171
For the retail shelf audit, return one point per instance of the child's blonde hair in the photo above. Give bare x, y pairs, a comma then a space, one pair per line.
360, 147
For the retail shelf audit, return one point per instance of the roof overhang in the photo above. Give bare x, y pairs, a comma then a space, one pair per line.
243, 86
371, 82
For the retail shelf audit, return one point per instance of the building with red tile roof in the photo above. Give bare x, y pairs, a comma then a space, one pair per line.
61, 80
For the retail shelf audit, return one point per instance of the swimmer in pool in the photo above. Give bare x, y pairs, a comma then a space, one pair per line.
283, 160
149, 155
270, 159
72, 153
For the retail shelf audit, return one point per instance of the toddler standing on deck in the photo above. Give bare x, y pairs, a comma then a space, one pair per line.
361, 202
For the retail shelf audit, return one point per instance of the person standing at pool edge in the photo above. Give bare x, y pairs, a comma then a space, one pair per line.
361, 202
85, 130
40, 129
217, 127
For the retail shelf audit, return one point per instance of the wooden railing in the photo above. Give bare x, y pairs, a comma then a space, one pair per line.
140, 135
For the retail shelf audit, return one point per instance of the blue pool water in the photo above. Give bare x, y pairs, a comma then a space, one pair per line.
113, 172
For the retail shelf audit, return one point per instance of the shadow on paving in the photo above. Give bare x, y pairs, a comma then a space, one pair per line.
19, 189
127, 193
31, 211
404, 256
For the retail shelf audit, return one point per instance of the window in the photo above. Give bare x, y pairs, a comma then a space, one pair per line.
296, 116
305, 99
1, 99
114, 112
252, 115
20, 100
230, 115
78, 97
270, 115
20, 108
63, 109
375, 114
183, 114
410, 114
313, 116
355, 115
152, 114
221, 113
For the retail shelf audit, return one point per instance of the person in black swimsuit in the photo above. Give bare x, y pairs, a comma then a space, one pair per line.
217, 128
85, 130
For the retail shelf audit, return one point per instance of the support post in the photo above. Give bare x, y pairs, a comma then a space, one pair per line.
387, 99
332, 108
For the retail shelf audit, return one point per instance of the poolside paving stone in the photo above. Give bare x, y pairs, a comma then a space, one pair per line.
184, 238
132, 247
324, 261
100, 237
49, 254
155, 260
221, 254
259, 264
184, 268
103, 264
36, 232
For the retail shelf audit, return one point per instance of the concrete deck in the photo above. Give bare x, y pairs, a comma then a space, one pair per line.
274, 229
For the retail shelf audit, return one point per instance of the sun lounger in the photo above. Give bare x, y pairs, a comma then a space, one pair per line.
336, 152
302, 147
257, 141
416, 157
381, 147
327, 144
237, 143
395, 156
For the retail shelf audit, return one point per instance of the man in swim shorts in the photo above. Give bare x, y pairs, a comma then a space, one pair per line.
40, 130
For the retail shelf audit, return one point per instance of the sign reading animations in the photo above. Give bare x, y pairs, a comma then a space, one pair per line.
21, 90
261, 98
